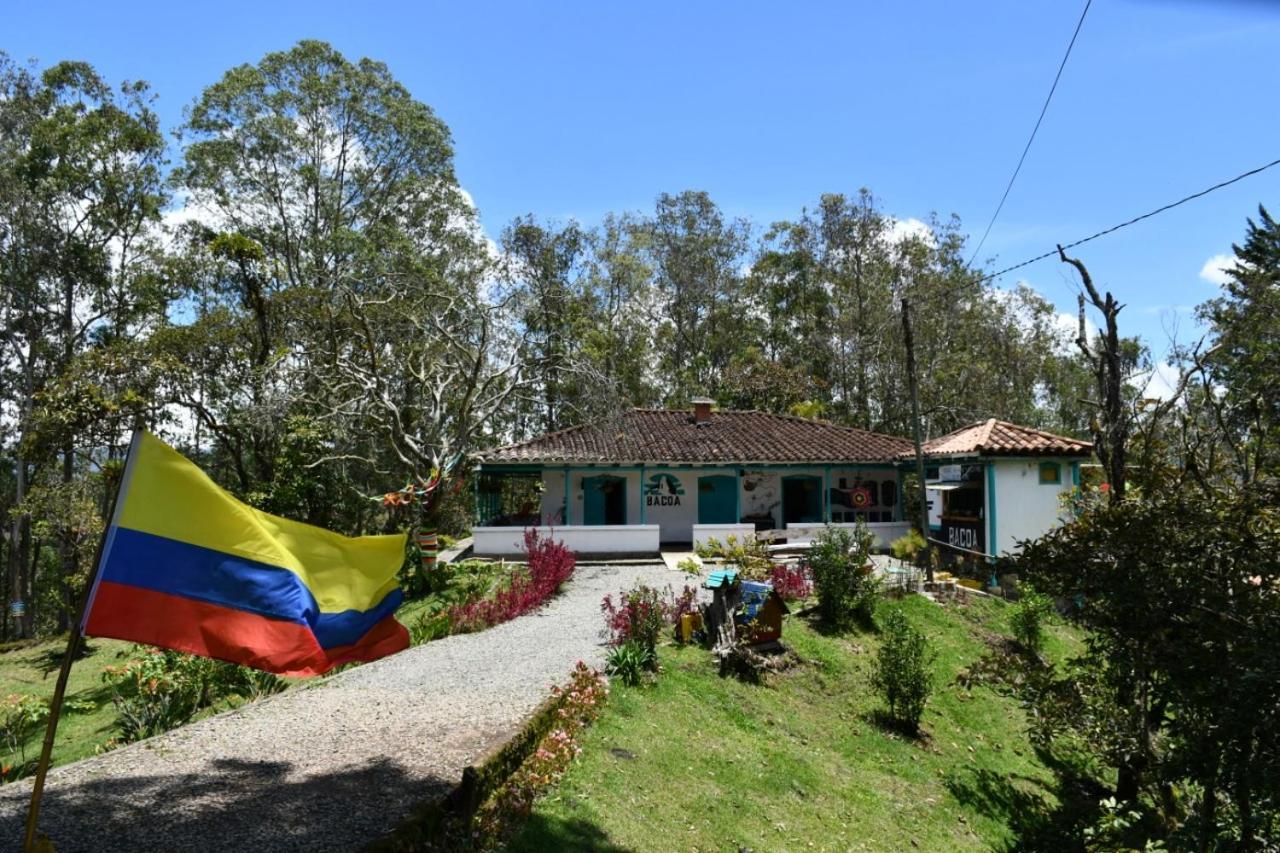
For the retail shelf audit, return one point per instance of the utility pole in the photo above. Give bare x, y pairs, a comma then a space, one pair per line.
915, 428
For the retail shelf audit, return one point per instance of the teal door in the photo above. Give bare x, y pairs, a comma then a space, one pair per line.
717, 500
604, 500
802, 499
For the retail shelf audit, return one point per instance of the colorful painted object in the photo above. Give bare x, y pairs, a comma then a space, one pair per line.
428, 548
761, 611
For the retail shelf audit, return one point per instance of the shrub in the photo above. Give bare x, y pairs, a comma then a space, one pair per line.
629, 662
689, 566
162, 689
908, 546
580, 705
749, 554
158, 691
791, 582
254, 684
640, 615
429, 626
846, 587
20, 717
902, 670
1028, 618
550, 564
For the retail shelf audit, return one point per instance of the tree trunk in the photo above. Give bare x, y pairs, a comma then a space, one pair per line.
66, 546
1208, 812
19, 544
1111, 426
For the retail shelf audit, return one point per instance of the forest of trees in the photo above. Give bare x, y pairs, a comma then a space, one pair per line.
298, 294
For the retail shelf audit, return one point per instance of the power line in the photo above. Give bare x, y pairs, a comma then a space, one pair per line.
1034, 130
1134, 220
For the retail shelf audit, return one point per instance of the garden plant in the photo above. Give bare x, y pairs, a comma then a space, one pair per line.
903, 671
842, 576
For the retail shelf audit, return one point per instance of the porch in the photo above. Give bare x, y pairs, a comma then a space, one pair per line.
623, 510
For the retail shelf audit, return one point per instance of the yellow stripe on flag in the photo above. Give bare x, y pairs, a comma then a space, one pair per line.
169, 496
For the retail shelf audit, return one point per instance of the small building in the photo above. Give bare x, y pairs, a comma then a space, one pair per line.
993, 484
654, 478
660, 477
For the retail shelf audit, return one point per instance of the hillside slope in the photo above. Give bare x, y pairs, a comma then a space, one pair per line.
702, 762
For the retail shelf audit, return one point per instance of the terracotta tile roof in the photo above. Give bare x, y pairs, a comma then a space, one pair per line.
670, 436
1001, 438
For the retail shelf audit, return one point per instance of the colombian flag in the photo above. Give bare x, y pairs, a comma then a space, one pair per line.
188, 567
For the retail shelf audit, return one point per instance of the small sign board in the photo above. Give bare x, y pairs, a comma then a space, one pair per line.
950, 473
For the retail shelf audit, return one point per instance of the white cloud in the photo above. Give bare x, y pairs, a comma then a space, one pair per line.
1214, 269
906, 229
1069, 326
1161, 382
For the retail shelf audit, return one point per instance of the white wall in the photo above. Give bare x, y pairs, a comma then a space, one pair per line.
554, 480
675, 514
762, 494
880, 476
721, 532
885, 531
553, 496
1024, 508
596, 539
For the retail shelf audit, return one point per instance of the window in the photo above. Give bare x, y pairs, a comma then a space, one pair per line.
1050, 474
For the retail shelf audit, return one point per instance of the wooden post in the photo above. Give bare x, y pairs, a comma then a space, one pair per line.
915, 428
76, 636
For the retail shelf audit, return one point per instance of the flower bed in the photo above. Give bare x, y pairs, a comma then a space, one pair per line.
550, 564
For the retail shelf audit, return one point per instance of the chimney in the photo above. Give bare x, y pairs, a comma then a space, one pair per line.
702, 410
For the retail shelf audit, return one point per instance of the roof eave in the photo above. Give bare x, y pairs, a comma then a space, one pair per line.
652, 463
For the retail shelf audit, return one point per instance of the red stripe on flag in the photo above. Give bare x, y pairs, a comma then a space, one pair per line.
186, 625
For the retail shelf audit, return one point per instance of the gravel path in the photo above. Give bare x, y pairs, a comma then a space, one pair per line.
334, 765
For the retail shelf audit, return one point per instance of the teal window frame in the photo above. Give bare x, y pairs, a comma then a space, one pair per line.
1057, 478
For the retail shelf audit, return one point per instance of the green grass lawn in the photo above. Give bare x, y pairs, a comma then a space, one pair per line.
700, 762
33, 670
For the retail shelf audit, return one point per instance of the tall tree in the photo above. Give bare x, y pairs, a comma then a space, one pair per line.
697, 258
345, 263
80, 193
619, 339
857, 264
546, 263
1242, 371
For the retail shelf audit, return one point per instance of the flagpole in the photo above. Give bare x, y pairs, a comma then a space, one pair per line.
73, 646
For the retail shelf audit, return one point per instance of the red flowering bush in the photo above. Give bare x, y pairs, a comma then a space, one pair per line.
550, 564
791, 582
641, 612
633, 624
639, 615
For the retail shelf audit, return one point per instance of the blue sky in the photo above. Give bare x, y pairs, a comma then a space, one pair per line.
575, 109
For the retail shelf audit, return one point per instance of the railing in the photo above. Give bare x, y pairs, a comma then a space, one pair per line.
884, 531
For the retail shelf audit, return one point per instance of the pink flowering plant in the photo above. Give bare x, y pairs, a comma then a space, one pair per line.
633, 624
579, 705
640, 613
792, 582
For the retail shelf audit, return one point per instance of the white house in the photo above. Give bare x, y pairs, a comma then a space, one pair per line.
993, 484
654, 478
